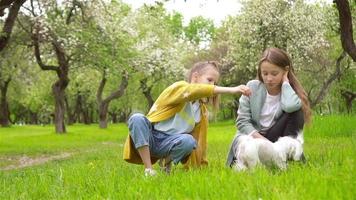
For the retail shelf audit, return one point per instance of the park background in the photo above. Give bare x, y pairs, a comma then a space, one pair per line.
72, 71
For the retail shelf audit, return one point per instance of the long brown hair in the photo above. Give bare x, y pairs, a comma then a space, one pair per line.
200, 67
281, 59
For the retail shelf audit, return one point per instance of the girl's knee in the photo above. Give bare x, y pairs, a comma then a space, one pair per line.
298, 117
137, 117
298, 114
188, 142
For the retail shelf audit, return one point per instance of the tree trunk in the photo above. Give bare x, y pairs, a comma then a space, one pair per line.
58, 88
4, 106
33, 118
91, 113
329, 108
71, 118
76, 115
346, 35
114, 117
19, 115
59, 109
124, 114
235, 107
78, 110
103, 105
87, 119
349, 97
146, 90
103, 113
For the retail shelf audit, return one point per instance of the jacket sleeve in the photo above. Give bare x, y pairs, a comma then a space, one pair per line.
244, 116
182, 91
290, 102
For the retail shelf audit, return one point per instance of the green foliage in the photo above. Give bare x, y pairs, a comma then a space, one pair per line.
95, 169
175, 24
107, 41
294, 26
200, 30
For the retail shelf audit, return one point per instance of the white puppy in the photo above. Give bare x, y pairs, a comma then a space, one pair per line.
252, 151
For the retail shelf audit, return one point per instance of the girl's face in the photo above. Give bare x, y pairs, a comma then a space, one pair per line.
272, 76
209, 75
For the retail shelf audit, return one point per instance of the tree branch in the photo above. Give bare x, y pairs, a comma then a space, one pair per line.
328, 82
348, 94
99, 93
38, 54
10, 20
3, 5
121, 90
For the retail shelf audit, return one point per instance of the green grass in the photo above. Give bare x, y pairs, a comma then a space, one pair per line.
96, 169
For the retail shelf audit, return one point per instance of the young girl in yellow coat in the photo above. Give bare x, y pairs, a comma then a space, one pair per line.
176, 126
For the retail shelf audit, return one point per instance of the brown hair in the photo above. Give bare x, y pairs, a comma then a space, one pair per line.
281, 59
200, 67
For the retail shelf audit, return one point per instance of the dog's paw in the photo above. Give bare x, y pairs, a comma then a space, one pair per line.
282, 165
239, 167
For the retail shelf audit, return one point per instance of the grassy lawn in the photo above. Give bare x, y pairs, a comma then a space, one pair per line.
86, 163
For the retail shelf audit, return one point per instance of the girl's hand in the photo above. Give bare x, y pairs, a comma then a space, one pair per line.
244, 90
285, 77
258, 135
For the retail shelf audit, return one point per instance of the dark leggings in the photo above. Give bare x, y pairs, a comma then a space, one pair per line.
287, 124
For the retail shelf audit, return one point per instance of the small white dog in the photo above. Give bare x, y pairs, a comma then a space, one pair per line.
252, 151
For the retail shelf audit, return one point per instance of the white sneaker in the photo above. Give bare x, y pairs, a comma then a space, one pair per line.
150, 172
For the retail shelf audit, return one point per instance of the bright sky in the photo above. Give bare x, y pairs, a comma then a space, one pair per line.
217, 10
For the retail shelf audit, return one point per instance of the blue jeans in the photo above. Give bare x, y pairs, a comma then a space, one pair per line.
160, 144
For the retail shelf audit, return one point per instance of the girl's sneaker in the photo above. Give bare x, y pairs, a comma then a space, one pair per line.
150, 172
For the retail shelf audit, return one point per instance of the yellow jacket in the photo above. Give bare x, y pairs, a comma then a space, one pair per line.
170, 102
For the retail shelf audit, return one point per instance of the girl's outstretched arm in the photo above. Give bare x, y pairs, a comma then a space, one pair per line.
233, 90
